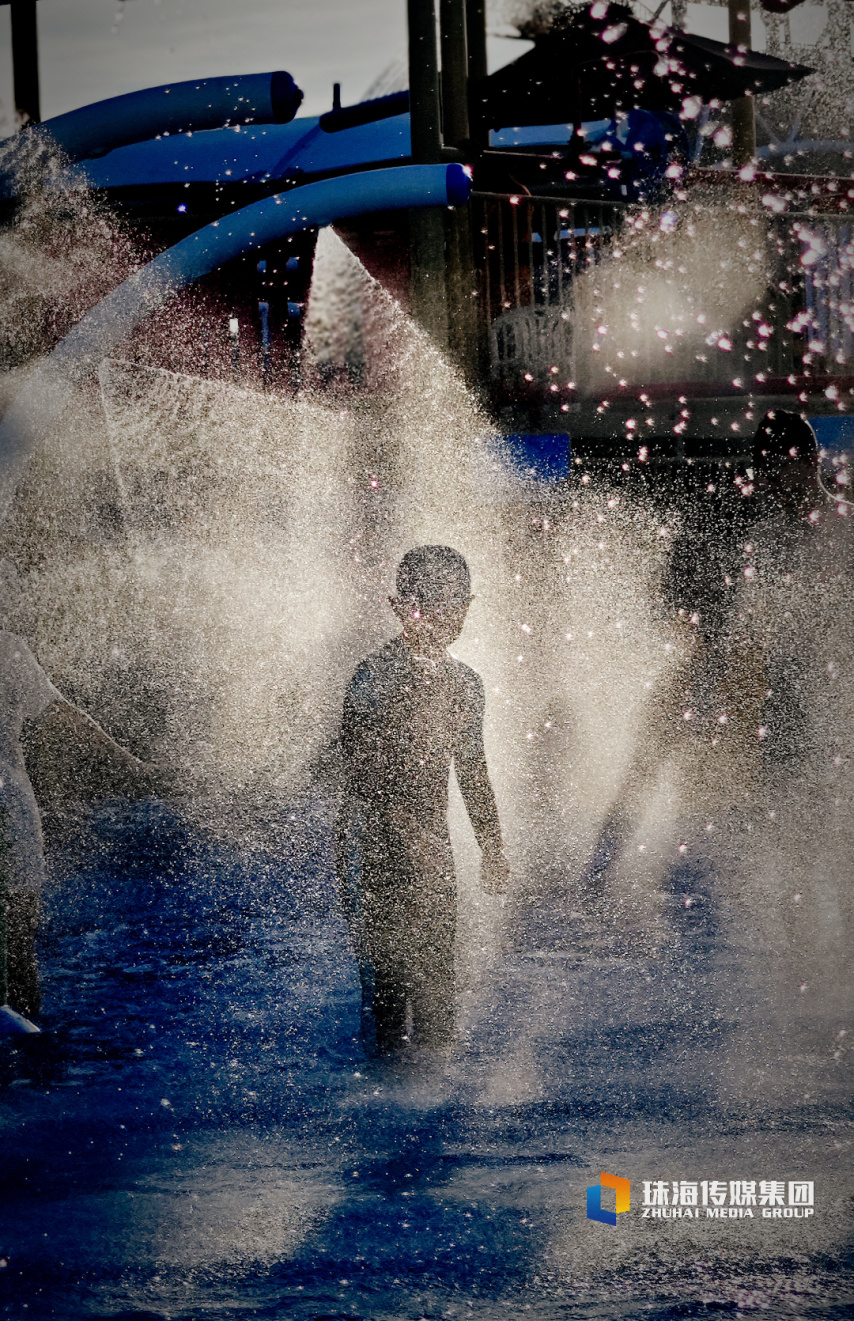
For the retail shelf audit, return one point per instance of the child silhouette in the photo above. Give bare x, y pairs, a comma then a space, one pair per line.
411, 711
28, 696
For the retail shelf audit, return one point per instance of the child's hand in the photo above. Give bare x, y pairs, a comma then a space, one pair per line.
494, 871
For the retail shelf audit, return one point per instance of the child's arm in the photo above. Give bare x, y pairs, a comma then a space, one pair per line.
473, 779
84, 760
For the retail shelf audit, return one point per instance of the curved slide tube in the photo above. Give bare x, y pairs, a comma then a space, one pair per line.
259, 153
252, 98
40, 403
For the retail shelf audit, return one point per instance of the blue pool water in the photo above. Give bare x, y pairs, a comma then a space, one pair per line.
200, 1136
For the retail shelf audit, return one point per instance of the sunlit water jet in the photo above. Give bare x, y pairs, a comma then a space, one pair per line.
205, 565
235, 562
669, 299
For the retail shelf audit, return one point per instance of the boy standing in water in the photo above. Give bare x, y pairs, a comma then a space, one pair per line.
411, 710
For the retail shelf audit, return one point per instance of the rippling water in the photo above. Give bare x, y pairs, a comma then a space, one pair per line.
201, 1135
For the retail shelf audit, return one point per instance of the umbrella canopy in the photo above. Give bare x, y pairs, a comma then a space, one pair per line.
603, 60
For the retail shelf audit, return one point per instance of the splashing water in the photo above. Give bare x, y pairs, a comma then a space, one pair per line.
205, 565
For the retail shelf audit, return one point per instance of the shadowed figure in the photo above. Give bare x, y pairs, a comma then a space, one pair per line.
411, 711
790, 505
698, 590
28, 696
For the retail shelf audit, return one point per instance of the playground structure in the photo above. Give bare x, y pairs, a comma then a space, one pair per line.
188, 603
507, 287
254, 227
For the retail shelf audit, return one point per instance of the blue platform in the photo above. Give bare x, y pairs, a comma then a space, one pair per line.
540, 458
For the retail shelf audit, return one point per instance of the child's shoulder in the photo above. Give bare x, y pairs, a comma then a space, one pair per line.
387, 657
377, 671
468, 679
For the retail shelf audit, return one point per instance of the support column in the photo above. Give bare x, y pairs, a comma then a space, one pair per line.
25, 62
743, 117
460, 273
455, 72
424, 83
477, 347
426, 228
478, 69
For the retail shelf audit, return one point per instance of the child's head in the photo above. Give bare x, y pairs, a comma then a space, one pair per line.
433, 594
785, 457
781, 437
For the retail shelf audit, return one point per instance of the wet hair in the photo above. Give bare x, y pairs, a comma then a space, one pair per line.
431, 575
780, 437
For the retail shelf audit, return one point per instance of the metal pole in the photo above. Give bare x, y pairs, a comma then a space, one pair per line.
25, 62
455, 112
461, 281
476, 38
426, 228
743, 118
478, 68
424, 83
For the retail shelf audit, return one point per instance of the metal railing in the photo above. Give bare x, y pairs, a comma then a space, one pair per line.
549, 266
530, 251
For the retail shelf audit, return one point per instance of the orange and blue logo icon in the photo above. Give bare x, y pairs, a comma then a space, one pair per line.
595, 1211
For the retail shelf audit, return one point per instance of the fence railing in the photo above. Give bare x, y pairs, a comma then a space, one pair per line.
530, 252
698, 296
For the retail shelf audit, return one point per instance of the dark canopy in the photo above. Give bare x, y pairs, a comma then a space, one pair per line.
603, 60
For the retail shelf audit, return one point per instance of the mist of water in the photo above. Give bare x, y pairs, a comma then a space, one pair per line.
205, 565
670, 297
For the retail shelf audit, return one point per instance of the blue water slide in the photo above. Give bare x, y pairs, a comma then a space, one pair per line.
253, 154
36, 409
533, 135
208, 103
261, 152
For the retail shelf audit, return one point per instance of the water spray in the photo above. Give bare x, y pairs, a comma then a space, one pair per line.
12, 1024
831, 495
37, 408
